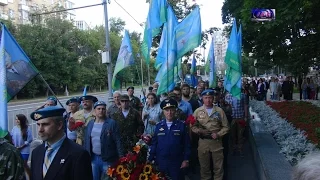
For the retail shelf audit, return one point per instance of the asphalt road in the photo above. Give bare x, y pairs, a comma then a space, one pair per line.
27, 107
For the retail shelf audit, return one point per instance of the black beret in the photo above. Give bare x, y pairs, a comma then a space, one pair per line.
73, 100
89, 97
167, 103
50, 111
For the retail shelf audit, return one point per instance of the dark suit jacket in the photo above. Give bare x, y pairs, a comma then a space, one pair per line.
76, 165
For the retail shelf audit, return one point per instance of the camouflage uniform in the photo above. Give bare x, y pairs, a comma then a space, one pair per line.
130, 127
135, 103
11, 163
79, 116
215, 122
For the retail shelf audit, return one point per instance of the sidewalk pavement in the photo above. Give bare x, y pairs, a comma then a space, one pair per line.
239, 168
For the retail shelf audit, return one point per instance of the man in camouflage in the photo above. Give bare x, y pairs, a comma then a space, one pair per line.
130, 123
11, 163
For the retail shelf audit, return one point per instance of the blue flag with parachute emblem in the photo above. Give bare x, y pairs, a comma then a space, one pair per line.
16, 70
188, 33
125, 59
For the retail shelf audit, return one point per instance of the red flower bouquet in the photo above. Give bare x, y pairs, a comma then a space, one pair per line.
190, 120
76, 125
133, 166
242, 123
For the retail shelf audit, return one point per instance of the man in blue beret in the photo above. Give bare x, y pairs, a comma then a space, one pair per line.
170, 146
58, 157
73, 106
83, 116
11, 163
211, 127
51, 101
102, 141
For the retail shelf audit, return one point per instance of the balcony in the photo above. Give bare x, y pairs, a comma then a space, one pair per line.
4, 16
23, 7
3, 2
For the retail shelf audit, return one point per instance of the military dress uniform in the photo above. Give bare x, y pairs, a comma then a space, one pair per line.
170, 146
215, 122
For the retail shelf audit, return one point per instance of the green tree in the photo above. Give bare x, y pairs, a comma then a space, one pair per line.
291, 41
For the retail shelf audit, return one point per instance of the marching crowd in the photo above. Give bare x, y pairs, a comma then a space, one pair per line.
187, 128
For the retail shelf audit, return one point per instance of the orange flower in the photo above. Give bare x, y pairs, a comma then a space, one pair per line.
154, 177
136, 149
110, 171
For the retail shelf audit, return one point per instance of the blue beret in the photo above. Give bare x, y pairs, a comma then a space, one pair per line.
130, 87
168, 103
52, 99
210, 92
73, 100
99, 103
50, 111
89, 97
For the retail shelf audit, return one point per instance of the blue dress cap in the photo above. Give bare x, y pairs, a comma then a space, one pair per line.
50, 111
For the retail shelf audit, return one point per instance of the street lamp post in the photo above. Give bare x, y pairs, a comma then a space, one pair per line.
108, 49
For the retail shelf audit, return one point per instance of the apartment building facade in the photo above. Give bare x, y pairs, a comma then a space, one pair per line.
220, 49
20, 11
82, 25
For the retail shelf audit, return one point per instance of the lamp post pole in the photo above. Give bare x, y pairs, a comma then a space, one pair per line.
108, 50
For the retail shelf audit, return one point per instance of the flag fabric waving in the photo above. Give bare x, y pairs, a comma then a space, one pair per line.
16, 70
232, 60
188, 33
125, 59
167, 35
156, 17
211, 59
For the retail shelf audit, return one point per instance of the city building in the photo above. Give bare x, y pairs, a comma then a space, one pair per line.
82, 25
220, 49
20, 11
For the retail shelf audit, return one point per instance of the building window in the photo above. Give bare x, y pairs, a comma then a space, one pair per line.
11, 14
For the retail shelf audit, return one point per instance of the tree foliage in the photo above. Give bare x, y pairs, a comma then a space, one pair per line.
291, 41
69, 57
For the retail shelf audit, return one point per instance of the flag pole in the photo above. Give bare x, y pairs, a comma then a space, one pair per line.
149, 75
50, 89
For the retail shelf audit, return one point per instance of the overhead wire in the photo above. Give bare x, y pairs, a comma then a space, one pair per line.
140, 24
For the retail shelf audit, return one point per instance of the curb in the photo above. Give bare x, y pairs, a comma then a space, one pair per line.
270, 163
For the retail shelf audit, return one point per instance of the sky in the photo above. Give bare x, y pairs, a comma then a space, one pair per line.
210, 12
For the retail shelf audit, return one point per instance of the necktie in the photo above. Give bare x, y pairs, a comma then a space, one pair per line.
47, 160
